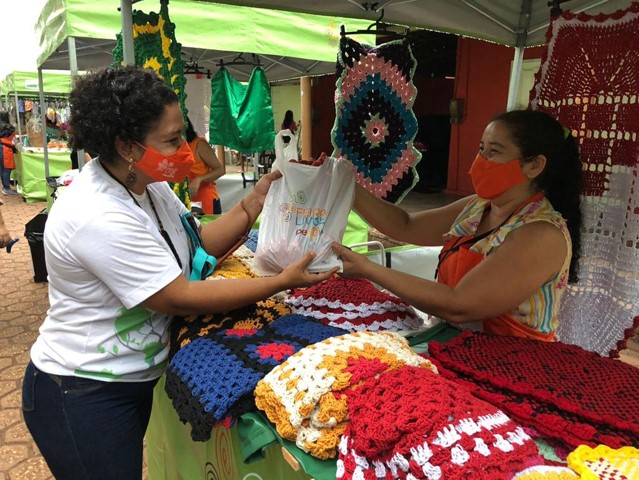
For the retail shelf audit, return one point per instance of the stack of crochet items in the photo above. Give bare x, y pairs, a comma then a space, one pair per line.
305, 397
605, 463
211, 378
413, 424
563, 391
354, 304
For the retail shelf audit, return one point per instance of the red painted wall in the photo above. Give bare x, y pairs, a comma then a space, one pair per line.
481, 80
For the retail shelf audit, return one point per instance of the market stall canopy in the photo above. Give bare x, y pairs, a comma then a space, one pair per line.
289, 44
500, 21
26, 83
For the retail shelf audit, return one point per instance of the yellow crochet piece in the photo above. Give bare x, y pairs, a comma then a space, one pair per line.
605, 462
546, 472
304, 396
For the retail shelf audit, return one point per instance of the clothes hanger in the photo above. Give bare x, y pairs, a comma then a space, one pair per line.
240, 60
375, 28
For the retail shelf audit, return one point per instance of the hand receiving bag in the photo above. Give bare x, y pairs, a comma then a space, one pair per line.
306, 210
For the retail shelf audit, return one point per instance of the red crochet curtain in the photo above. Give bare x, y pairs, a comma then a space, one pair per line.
589, 81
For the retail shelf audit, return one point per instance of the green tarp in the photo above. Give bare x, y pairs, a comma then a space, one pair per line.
207, 26
241, 115
26, 83
32, 183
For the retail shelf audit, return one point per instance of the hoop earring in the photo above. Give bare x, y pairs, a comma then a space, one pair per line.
131, 177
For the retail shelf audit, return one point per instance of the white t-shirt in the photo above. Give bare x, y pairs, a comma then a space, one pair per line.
104, 256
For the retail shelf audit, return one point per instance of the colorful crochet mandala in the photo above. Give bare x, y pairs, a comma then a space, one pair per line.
605, 463
354, 304
562, 391
156, 47
375, 125
588, 80
411, 423
211, 378
305, 397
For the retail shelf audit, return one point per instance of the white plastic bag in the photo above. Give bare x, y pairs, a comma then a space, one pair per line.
306, 210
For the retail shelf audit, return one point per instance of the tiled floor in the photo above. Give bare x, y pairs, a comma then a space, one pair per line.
23, 305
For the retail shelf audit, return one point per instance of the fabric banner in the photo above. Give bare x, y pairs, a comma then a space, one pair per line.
241, 115
26, 83
589, 79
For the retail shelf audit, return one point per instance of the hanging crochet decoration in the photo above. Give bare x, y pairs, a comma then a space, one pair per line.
588, 80
305, 397
412, 424
375, 125
242, 115
564, 392
156, 47
354, 304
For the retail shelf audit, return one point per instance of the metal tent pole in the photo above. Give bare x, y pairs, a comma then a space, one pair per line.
73, 71
515, 78
15, 94
126, 13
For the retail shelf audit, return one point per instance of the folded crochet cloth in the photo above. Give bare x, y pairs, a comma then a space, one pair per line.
354, 304
411, 423
562, 391
305, 396
211, 378
605, 463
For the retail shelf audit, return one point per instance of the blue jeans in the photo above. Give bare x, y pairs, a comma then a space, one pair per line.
87, 429
6, 174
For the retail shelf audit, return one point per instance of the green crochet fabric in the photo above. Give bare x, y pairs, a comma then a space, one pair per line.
156, 47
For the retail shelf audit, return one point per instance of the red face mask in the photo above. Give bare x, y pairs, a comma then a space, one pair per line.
166, 168
491, 179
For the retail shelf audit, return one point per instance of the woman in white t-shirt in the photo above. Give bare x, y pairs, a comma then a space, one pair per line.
117, 256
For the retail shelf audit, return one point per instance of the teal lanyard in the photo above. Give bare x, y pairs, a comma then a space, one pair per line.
202, 264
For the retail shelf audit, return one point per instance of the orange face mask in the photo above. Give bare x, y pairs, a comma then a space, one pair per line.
491, 179
166, 168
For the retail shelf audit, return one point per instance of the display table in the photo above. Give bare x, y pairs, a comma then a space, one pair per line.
32, 184
252, 449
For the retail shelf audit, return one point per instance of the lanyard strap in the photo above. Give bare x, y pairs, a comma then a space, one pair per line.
165, 235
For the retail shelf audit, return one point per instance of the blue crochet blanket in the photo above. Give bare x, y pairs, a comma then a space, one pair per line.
211, 379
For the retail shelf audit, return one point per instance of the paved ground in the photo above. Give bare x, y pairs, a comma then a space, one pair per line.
23, 306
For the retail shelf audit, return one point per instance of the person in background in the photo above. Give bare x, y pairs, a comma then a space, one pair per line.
118, 261
289, 123
8, 151
508, 251
204, 172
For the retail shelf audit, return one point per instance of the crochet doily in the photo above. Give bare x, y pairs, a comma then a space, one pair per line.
354, 304
375, 125
561, 390
603, 462
589, 79
211, 378
411, 423
305, 396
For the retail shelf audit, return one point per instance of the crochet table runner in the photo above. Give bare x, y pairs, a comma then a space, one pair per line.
354, 304
589, 79
375, 125
412, 423
563, 391
211, 378
305, 396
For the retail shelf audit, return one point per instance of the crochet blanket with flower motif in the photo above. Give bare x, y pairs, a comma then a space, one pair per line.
563, 391
305, 397
211, 378
412, 424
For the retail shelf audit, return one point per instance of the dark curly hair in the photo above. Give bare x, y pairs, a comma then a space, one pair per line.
537, 133
125, 102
